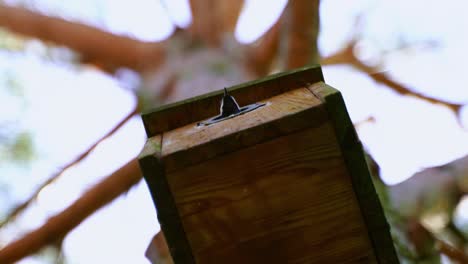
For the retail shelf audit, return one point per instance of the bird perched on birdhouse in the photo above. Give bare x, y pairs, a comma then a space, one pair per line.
276, 174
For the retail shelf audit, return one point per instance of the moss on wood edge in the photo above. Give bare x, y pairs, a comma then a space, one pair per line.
353, 154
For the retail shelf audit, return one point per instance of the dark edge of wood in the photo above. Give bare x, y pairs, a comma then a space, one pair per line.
353, 154
248, 137
168, 117
168, 215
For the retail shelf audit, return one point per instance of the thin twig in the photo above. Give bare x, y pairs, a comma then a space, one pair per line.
368, 120
451, 252
347, 56
21, 207
61, 224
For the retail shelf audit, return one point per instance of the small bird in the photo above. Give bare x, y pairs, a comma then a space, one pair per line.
229, 105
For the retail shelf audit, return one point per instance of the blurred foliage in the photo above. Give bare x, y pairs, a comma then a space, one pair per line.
419, 218
16, 144
52, 254
10, 41
145, 103
22, 147
19, 148
219, 67
12, 84
49, 52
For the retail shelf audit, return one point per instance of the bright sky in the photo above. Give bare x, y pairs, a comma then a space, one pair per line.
250, 27
408, 135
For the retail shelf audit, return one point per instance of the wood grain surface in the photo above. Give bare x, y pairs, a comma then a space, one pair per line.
168, 214
282, 114
353, 156
288, 200
286, 183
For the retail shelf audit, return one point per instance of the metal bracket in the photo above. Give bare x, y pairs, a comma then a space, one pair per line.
229, 109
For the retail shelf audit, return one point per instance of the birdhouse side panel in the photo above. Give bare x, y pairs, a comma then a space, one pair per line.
154, 173
354, 158
288, 200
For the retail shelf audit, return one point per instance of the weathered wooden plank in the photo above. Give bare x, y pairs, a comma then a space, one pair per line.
168, 215
178, 114
282, 114
353, 155
285, 183
288, 200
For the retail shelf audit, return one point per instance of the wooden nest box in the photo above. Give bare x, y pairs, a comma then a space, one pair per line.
286, 182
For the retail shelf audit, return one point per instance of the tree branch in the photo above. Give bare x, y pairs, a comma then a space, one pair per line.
228, 13
93, 44
211, 19
61, 224
370, 119
20, 208
347, 56
420, 235
451, 252
261, 55
303, 33
204, 25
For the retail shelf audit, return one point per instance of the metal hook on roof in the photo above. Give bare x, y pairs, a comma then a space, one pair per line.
230, 108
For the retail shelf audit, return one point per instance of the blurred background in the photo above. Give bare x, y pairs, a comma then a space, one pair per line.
74, 76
